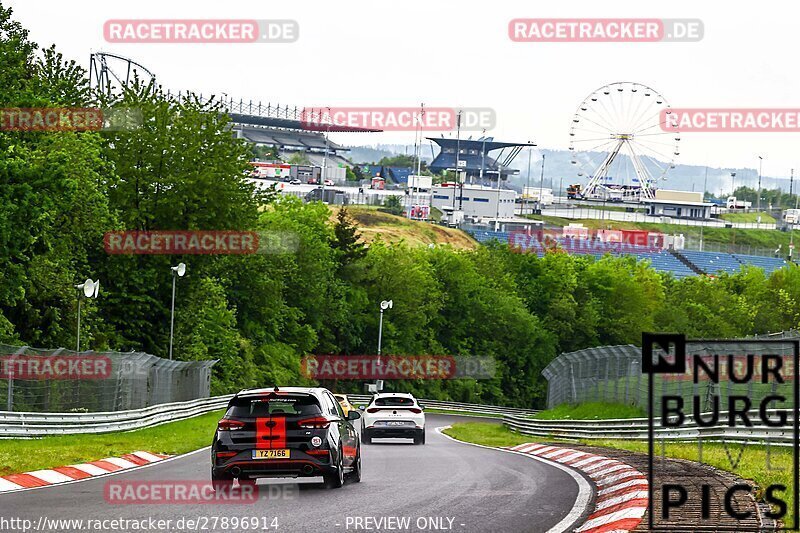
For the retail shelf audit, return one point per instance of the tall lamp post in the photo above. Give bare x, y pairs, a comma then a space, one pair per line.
386, 304
90, 289
483, 157
791, 230
758, 199
541, 184
528, 185
177, 272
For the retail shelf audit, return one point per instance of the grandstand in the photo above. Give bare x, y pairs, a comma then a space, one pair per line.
288, 130
476, 163
680, 264
716, 262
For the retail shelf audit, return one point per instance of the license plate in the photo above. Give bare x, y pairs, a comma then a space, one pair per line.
270, 454
395, 423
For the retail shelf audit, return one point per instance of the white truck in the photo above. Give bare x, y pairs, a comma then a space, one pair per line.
733, 203
532, 194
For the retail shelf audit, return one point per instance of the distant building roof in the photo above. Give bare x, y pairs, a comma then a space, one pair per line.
474, 154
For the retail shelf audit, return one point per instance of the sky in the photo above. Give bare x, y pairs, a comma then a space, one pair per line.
457, 53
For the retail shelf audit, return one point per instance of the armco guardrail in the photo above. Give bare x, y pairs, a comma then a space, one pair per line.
18, 424
455, 406
637, 429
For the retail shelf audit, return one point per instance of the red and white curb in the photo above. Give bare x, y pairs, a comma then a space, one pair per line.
63, 474
621, 489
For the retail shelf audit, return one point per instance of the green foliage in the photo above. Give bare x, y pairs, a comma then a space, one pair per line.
774, 197
591, 411
401, 160
393, 205
351, 175
264, 153
299, 158
347, 240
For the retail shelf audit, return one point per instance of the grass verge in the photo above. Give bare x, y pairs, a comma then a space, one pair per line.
754, 464
751, 218
25, 455
591, 411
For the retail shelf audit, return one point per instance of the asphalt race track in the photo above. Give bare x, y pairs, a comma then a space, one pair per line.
440, 486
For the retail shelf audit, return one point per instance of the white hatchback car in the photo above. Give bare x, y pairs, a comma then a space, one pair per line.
393, 415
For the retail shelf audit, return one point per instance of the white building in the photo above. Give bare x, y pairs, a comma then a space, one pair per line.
679, 204
478, 202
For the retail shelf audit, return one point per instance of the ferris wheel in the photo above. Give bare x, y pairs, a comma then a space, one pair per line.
617, 141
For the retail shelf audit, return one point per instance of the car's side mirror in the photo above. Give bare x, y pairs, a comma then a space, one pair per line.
353, 415
362, 407
421, 406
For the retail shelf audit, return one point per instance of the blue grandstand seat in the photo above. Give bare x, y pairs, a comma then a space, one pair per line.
660, 260
769, 264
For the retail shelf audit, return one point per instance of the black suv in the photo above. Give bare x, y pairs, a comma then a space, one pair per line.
285, 432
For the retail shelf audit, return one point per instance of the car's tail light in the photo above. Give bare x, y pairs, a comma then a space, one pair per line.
227, 424
372, 410
314, 423
225, 455
323, 453
415, 410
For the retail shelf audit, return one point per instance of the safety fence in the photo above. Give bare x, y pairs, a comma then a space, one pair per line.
18, 424
613, 374
60, 380
637, 429
363, 399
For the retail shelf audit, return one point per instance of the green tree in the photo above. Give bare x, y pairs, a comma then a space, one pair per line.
393, 205
299, 158
347, 240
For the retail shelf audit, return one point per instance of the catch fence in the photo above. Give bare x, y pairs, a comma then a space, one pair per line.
60, 380
613, 374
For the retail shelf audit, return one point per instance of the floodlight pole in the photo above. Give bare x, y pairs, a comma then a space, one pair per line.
380, 333
172, 313
791, 230
541, 184
415, 192
78, 347
528, 184
458, 171
483, 157
758, 198
325, 158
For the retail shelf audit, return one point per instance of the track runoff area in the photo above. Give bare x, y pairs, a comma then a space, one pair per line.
709, 393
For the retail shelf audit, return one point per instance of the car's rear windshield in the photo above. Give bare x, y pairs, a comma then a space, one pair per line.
394, 401
275, 405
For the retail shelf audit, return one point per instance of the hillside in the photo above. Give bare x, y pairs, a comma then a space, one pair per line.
392, 228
